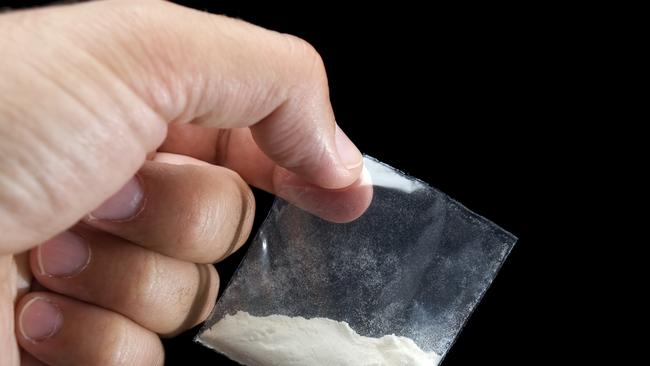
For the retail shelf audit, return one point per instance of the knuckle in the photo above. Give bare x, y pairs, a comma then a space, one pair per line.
199, 223
206, 295
311, 61
246, 213
135, 5
123, 344
147, 275
219, 219
143, 46
115, 347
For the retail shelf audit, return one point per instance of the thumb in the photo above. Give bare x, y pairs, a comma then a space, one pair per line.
86, 91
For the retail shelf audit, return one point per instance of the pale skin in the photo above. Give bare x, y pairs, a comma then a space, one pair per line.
130, 132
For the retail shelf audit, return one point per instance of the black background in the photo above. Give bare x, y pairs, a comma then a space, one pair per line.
466, 99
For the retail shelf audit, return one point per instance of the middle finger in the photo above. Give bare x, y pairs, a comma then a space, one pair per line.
198, 213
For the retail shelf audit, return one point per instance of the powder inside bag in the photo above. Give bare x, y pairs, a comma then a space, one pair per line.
296, 341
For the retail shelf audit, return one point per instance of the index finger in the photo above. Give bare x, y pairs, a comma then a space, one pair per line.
227, 73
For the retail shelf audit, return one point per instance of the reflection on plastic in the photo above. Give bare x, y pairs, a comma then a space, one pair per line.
415, 264
384, 176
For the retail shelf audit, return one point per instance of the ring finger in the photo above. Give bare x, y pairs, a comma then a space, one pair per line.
163, 294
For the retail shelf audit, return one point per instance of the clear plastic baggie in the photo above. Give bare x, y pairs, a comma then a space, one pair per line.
412, 268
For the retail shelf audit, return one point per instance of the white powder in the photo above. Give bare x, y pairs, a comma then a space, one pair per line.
279, 340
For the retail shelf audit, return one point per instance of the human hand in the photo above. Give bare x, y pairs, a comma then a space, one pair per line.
87, 93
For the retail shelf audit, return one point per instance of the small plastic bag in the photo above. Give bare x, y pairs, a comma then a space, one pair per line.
414, 265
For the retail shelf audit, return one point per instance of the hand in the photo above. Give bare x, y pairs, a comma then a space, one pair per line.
129, 132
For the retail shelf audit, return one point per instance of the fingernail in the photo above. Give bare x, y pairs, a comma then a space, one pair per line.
40, 319
63, 256
124, 204
349, 154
